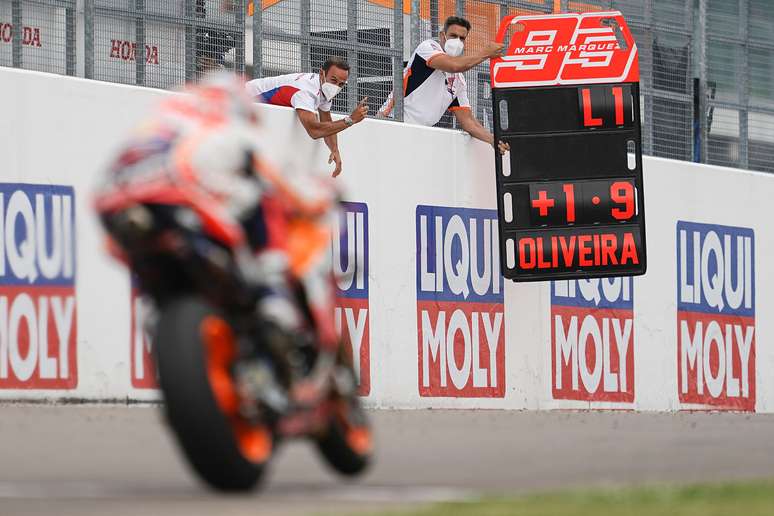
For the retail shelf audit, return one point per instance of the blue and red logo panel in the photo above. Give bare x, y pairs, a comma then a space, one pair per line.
716, 316
350, 267
592, 340
459, 303
38, 309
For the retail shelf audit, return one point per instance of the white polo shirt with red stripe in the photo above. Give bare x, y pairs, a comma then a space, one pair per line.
296, 90
428, 93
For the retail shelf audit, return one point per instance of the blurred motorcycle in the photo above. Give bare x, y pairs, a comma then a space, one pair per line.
235, 382
233, 390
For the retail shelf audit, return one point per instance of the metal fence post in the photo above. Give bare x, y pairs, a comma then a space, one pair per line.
397, 59
306, 28
88, 39
459, 7
257, 38
744, 86
692, 61
239, 37
352, 39
434, 18
17, 21
415, 6
190, 42
647, 84
70, 50
139, 52
701, 54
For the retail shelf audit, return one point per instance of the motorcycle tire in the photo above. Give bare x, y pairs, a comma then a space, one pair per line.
347, 443
195, 350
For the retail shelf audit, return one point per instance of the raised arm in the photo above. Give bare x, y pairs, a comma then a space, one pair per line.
461, 64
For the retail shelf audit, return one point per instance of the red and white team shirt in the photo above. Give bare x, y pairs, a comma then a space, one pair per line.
429, 93
296, 90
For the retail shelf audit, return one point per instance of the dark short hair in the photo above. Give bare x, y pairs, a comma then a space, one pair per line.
338, 62
456, 20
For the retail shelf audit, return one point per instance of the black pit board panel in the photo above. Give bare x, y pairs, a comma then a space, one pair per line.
575, 195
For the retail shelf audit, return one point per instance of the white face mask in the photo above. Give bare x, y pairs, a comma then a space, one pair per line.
329, 90
454, 47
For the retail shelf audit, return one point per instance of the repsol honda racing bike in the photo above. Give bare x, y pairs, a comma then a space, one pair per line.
233, 388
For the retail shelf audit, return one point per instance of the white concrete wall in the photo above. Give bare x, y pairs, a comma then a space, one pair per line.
61, 131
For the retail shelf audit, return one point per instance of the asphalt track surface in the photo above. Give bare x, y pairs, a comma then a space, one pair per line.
116, 461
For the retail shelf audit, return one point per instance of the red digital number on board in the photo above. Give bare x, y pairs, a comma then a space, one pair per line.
543, 202
589, 120
569, 194
622, 192
619, 107
588, 117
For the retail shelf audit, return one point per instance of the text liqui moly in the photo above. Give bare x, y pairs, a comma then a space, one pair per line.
716, 316
38, 320
459, 303
350, 267
592, 340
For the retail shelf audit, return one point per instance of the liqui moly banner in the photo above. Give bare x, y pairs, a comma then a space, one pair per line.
592, 340
38, 322
350, 267
459, 303
716, 316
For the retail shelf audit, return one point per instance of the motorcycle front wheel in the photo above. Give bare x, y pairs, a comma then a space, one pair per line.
347, 442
